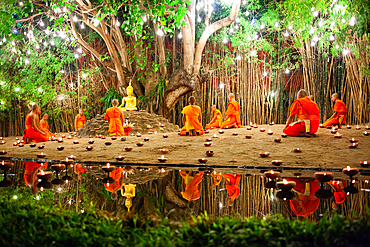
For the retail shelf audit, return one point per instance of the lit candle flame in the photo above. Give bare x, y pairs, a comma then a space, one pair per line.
67, 181
107, 184
348, 168
60, 165
162, 156
285, 181
42, 153
42, 172
272, 172
2, 162
42, 188
324, 173
108, 165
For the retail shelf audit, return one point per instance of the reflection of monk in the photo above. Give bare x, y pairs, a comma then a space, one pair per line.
115, 118
306, 202
33, 131
191, 119
340, 112
232, 186
45, 126
217, 178
31, 168
339, 195
216, 120
79, 170
191, 184
232, 114
116, 174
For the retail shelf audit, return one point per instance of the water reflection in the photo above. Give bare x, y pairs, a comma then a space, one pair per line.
189, 191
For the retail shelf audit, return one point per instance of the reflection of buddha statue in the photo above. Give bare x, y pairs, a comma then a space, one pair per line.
129, 193
129, 102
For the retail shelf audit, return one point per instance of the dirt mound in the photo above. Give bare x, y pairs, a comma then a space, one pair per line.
143, 123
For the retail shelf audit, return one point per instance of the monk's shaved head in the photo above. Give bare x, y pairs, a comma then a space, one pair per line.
46, 115
115, 102
334, 97
114, 196
191, 100
232, 96
35, 107
301, 93
213, 107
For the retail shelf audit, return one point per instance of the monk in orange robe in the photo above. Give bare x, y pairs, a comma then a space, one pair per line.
216, 120
232, 113
191, 184
306, 202
217, 178
45, 126
79, 170
308, 116
31, 168
34, 131
339, 195
80, 120
117, 175
115, 119
191, 119
232, 186
340, 112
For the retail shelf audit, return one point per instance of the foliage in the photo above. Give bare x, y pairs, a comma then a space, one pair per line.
109, 96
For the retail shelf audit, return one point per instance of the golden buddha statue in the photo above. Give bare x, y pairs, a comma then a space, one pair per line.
129, 102
129, 194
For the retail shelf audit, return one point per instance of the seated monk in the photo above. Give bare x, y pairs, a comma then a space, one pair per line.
340, 112
308, 116
339, 195
115, 119
80, 120
191, 119
216, 120
31, 168
191, 184
45, 126
306, 203
117, 175
217, 178
232, 114
79, 170
33, 131
232, 186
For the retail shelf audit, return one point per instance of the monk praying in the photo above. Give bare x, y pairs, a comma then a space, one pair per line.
191, 119
115, 118
31, 168
80, 120
34, 131
45, 126
308, 116
232, 186
339, 195
191, 184
340, 112
117, 175
232, 114
216, 120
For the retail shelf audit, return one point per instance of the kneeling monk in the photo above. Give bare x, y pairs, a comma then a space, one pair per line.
191, 119
216, 120
117, 175
114, 116
33, 131
45, 126
340, 112
31, 168
308, 116
80, 120
191, 184
232, 113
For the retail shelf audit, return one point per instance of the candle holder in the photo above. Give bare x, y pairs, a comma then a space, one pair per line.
45, 175
108, 143
350, 189
207, 144
163, 151
60, 148
6, 165
277, 162
103, 137
3, 152
367, 127
248, 136
128, 149
20, 145
165, 136
210, 153
89, 148
108, 168
270, 132
91, 141
221, 132
162, 159
324, 176
277, 139
1, 138
285, 185
150, 132
138, 135
264, 154
15, 144
349, 127
321, 126
71, 157
365, 164
366, 133
272, 174
60, 140
58, 167
162, 125
249, 128
91, 136
272, 123
123, 139
350, 171
32, 145
206, 131
353, 145
215, 136
113, 138
262, 130
162, 169
284, 135
208, 139
202, 160
285, 195
67, 178
358, 127
297, 150
139, 144
41, 155
69, 137
337, 135
2, 142
333, 131
120, 158
41, 147
353, 140
235, 134
67, 161
255, 126
149, 127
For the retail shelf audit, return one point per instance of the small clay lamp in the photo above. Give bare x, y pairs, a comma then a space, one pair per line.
69, 137
146, 139
63, 136
138, 135
206, 131
221, 131
165, 136
202, 160
149, 127
139, 144
284, 135
17, 138
32, 145
58, 167
120, 158
264, 154
15, 144
150, 132
277, 139
366, 133
91, 136
60, 148
358, 127
262, 130
277, 162
270, 132
350, 189
44, 175
324, 176
108, 143
321, 126
53, 138
71, 157
235, 133
67, 161
350, 171
297, 150
249, 128
2, 142
272, 123
91, 141
353, 140
41, 147
349, 127
1, 138
353, 145
255, 126
60, 140
20, 145
108, 168
333, 130
75, 142
89, 148
162, 159
3, 152
5, 165
128, 149
207, 144
272, 174
41, 155
103, 137
123, 139
367, 127
248, 136
337, 135
210, 153
285, 185
163, 151
365, 164
113, 138
162, 169
215, 136
208, 139
162, 125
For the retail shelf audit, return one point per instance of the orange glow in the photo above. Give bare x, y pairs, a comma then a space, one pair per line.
285, 181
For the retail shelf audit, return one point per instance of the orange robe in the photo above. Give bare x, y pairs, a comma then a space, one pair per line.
115, 124
116, 174
306, 109
340, 110
81, 121
217, 122
45, 126
304, 205
80, 168
32, 134
233, 117
28, 167
339, 195
191, 191
191, 113
217, 178
232, 185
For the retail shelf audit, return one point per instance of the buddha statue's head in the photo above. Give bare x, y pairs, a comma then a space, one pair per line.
128, 203
129, 90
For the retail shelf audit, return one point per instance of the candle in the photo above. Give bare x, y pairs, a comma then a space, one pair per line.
276, 162
324, 176
367, 127
215, 136
108, 143
20, 145
91, 141
3, 152
75, 142
69, 137
208, 139
348, 127
284, 135
358, 127
277, 139
60, 148
337, 135
162, 169
366, 133
202, 160
123, 139
163, 151
41, 155
89, 148
207, 144
248, 136
321, 126
138, 135
353, 145
41, 147
350, 171
250, 123
165, 136
365, 163
120, 158
333, 130
297, 150
15, 144
128, 149
162, 159
353, 140
220, 131
210, 153
235, 134
262, 130
285, 184
249, 128
2, 142
146, 139
272, 174
264, 154
270, 132
139, 144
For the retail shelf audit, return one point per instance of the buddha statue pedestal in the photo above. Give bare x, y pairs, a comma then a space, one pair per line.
129, 102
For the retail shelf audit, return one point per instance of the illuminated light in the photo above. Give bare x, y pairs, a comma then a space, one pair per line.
265, 73
239, 58
321, 23
225, 40
337, 46
17, 89
343, 21
39, 89
76, 55
345, 52
144, 18
312, 30
253, 53
262, 26
82, 26
37, 197
75, 19
199, 19
84, 76
60, 98
290, 27
180, 35
15, 197
247, 13
96, 22
332, 38
287, 71
27, 61
52, 43
286, 34
352, 22
272, 94
316, 13
42, 23
118, 23
222, 85
348, 168
277, 24
220, 204
59, 189
285, 181
79, 50
315, 39
42, 189
160, 32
